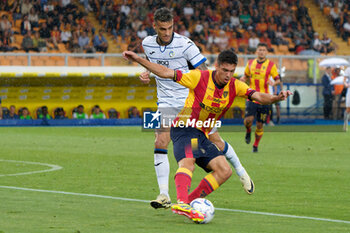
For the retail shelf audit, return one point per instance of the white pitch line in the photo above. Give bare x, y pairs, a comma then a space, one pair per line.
53, 167
144, 201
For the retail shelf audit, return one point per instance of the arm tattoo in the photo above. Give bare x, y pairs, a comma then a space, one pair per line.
202, 66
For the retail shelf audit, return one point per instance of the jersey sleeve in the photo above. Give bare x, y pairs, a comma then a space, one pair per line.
192, 53
189, 79
243, 90
274, 72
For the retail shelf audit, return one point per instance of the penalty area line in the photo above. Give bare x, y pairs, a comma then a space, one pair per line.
144, 201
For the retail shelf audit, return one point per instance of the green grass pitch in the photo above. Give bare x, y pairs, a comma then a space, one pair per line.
296, 174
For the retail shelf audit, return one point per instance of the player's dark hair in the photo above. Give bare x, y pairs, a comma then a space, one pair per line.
262, 45
163, 15
227, 56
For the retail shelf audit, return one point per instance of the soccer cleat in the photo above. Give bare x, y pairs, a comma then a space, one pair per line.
162, 201
247, 138
188, 211
255, 149
247, 183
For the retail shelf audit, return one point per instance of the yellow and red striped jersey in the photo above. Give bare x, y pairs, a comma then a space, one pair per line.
260, 73
207, 101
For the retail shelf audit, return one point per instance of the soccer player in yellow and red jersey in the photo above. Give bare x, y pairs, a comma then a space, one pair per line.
211, 95
257, 73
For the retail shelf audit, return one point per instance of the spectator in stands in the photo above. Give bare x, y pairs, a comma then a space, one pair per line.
39, 44
79, 113
316, 44
33, 18
97, 113
24, 114
55, 37
113, 113
25, 25
100, 42
266, 40
221, 41
346, 27
48, 6
12, 113
5, 24
6, 44
25, 7
27, 43
328, 44
66, 34
84, 43
328, 92
74, 44
15, 10
142, 33
44, 113
135, 44
133, 112
253, 42
44, 31
60, 114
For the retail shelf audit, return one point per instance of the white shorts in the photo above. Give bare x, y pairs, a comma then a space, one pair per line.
347, 98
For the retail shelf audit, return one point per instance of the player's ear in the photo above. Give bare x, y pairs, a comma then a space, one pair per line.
216, 66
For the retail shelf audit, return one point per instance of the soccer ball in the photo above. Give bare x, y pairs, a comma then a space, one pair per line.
204, 206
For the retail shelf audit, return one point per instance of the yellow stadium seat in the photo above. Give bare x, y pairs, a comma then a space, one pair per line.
283, 49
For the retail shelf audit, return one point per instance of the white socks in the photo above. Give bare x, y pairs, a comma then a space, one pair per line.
346, 120
161, 165
231, 156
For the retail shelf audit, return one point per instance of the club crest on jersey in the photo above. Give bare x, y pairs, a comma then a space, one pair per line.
225, 94
171, 53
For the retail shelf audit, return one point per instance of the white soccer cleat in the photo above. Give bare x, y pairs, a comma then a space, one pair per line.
247, 183
162, 201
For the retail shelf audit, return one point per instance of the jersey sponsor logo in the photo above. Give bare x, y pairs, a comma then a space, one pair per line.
211, 109
217, 100
171, 53
163, 63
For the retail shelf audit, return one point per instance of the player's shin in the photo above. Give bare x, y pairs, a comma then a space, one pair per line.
258, 135
232, 157
207, 185
161, 165
183, 179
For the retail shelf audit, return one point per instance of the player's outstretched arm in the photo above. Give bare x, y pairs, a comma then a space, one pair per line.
266, 99
159, 70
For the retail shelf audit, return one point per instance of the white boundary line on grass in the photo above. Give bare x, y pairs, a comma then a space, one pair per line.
144, 201
53, 167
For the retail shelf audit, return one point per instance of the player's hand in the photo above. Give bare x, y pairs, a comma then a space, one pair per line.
283, 95
129, 55
270, 82
144, 77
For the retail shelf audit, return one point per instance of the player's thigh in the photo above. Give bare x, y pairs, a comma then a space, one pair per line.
162, 138
217, 140
262, 113
250, 111
185, 143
